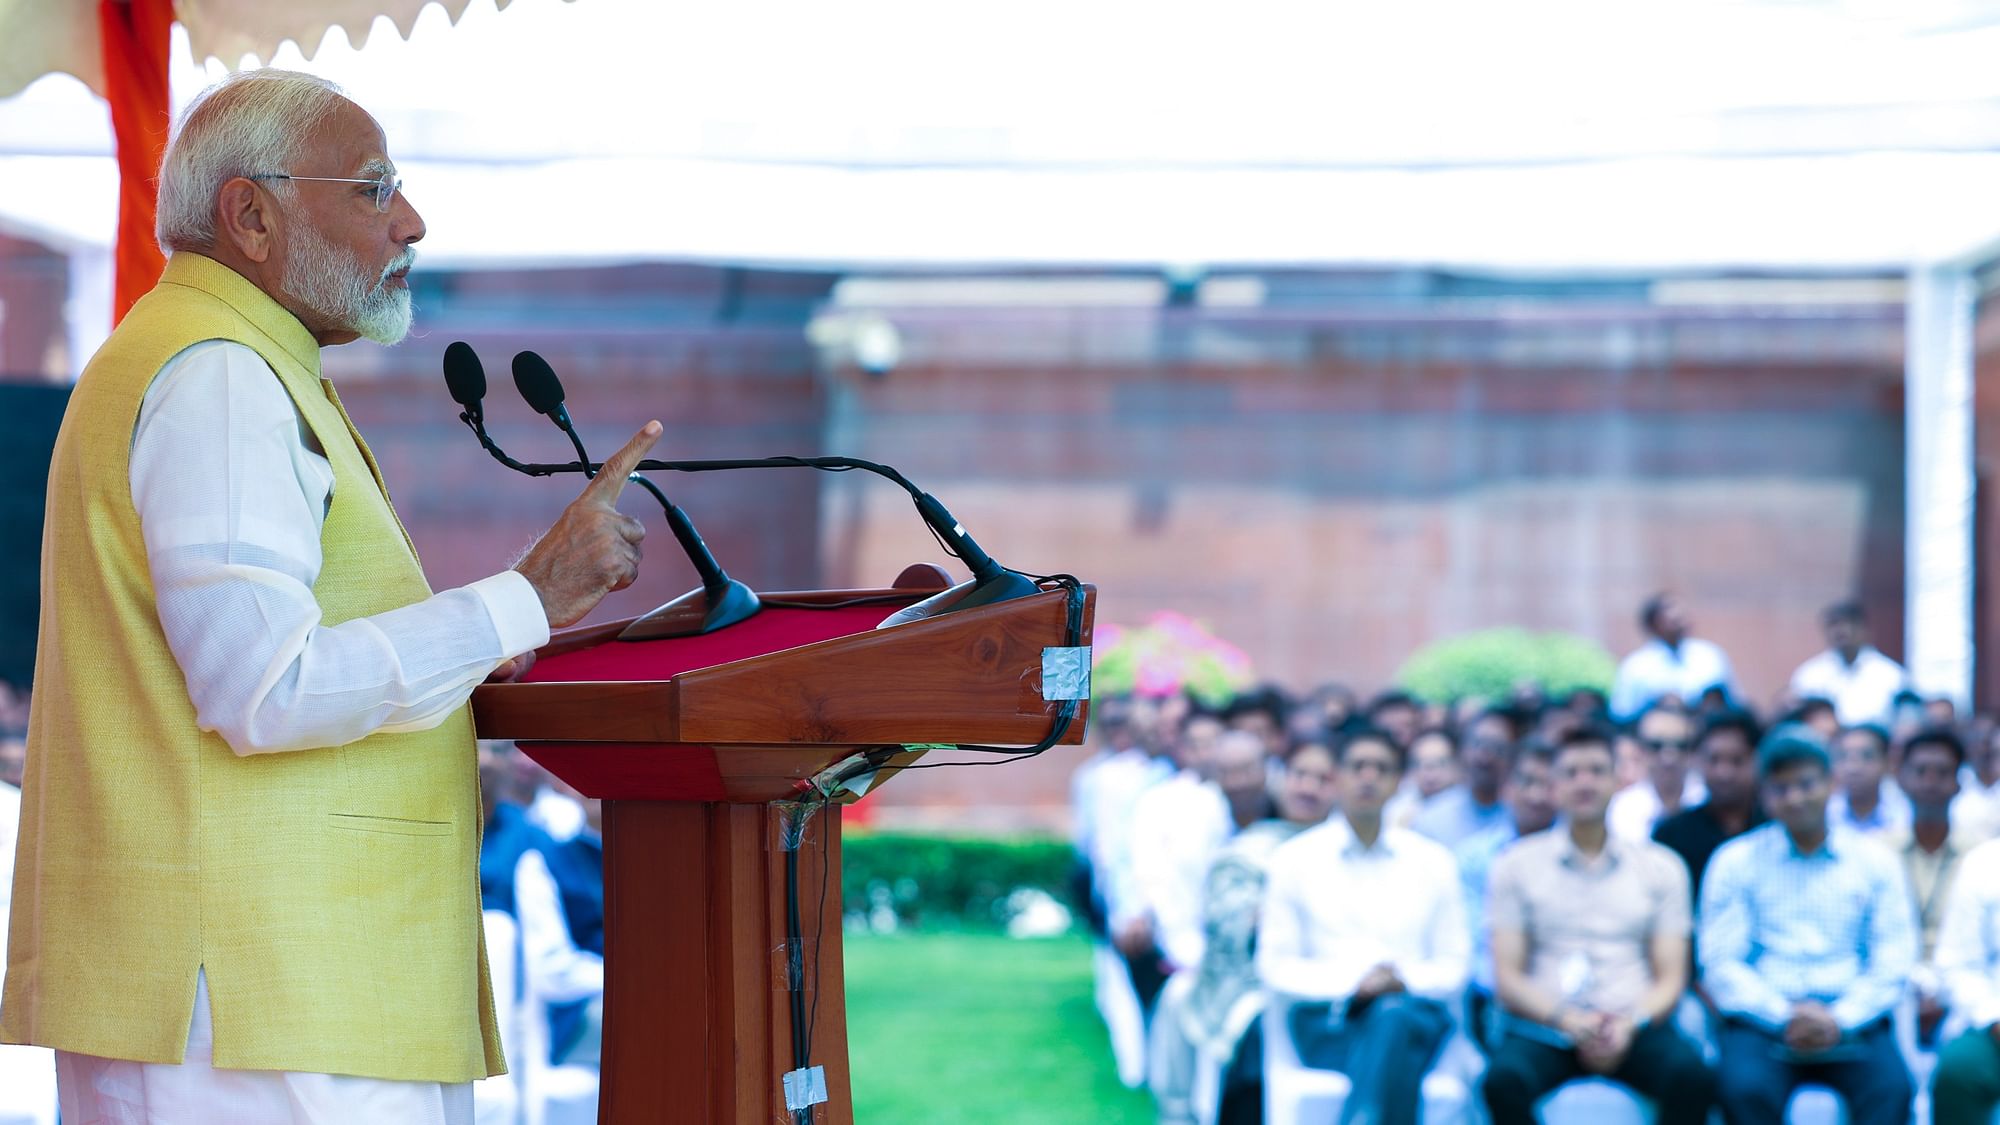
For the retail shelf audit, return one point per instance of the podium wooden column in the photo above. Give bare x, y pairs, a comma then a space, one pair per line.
702, 749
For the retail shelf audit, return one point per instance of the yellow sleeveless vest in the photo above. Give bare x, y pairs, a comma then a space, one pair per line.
332, 895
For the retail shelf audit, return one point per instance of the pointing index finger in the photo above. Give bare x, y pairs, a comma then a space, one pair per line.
610, 480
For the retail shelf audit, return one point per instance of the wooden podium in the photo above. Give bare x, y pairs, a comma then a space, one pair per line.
704, 750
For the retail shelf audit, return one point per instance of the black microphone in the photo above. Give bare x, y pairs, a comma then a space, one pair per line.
537, 382
728, 600
538, 385
466, 379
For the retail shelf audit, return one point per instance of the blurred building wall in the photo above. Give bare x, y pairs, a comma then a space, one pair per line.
1331, 489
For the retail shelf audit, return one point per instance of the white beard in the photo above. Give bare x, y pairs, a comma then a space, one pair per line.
331, 283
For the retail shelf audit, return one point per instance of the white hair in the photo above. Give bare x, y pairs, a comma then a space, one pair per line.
253, 123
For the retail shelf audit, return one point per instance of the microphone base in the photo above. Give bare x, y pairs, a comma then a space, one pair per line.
1005, 586
695, 613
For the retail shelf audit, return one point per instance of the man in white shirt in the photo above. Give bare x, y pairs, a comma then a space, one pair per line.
1130, 867
1669, 663
1978, 801
1178, 828
277, 185
1365, 923
1852, 674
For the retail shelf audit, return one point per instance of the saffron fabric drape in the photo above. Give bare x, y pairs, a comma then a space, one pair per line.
134, 36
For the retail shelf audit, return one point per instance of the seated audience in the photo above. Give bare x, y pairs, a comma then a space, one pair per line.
1864, 800
1589, 704
516, 877
1108, 737
1263, 712
1175, 829
1671, 664
1365, 919
1852, 674
1979, 782
1463, 810
1940, 711
1433, 771
1725, 752
1930, 849
1814, 714
1590, 946
1396, 714
1531, 809
1335, 704
1666, 740
1965, 1087
1218, 1017
1145, 761
1806, 941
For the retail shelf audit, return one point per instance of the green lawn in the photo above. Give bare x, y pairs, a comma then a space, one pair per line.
979, 1028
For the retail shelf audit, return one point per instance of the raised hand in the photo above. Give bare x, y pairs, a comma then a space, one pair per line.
592, 549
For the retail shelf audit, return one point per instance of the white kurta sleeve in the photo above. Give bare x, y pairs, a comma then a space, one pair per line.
231, 501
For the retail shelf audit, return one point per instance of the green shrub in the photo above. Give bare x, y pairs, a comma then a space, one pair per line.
1490, 662
948, 882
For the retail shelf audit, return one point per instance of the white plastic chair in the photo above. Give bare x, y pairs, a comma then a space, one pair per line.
1296, 1094
1595, 1101
1815, 1105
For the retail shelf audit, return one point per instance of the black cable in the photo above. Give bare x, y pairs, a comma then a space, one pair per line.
924, 501
819, 922
795, 963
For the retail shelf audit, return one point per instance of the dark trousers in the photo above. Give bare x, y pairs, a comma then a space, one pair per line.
1965, 1088
1243, 1081
1756, 1075
1385, 1047
1148, 978
1661, 1064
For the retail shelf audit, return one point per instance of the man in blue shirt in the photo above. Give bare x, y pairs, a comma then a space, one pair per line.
1463, 811
1807, 940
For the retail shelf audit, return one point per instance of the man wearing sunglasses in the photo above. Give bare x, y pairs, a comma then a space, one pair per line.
246, 888
1665, 735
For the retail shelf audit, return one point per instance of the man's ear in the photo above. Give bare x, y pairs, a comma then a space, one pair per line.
245, 219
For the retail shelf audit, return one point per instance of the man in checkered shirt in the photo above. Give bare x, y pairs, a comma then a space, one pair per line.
1807, 938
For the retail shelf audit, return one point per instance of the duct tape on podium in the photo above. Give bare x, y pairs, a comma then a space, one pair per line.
1066, 673
805, 1088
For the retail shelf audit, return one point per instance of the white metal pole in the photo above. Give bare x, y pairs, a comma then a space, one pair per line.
1938, 524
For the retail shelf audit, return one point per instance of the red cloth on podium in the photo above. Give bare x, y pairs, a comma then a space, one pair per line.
773, 629
653, 771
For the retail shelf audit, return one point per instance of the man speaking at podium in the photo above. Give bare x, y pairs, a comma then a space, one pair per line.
247, 885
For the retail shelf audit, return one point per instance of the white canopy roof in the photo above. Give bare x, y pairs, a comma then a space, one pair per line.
1546, 135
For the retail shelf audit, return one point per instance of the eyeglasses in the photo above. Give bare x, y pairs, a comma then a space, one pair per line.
385, 188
